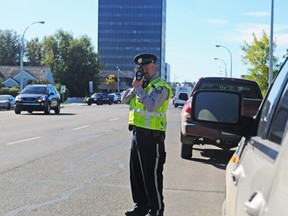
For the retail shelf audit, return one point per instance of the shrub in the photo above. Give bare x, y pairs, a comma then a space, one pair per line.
14, 91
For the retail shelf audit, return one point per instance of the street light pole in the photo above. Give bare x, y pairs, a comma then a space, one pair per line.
271, 44
22, 52
230, 58
118, 84
224, 65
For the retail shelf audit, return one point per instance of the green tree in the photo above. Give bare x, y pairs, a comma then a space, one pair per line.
73, 61
257, 56
10, 47
286, 55
82, 65
111, 82
34, 52
55, 49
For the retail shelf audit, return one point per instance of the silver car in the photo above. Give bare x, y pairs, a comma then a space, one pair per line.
7, 102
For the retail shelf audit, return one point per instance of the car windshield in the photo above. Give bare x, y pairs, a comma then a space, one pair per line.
35, 90
96, 95
246, 89
4, 97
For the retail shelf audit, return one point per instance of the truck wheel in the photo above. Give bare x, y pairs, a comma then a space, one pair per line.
186, 146
186, 151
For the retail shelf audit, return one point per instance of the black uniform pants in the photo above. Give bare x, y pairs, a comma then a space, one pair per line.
146, 166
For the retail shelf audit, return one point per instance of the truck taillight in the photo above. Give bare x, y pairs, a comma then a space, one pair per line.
187, 109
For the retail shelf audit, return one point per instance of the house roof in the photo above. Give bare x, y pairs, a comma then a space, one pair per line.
7, 72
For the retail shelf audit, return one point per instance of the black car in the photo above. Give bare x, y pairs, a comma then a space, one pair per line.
99, 99
38, 97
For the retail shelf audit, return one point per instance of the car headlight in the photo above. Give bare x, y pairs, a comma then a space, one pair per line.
41, 99
18, 98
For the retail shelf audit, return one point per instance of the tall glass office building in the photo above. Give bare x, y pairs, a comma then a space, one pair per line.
129, 27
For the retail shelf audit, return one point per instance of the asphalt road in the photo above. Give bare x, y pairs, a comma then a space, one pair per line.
76, 164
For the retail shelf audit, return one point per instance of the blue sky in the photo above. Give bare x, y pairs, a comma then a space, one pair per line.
193, 29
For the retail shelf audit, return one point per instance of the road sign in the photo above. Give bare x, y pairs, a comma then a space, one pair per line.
63, 88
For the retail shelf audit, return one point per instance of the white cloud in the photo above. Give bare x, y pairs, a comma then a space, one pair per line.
281, 39
244, 32
257, 14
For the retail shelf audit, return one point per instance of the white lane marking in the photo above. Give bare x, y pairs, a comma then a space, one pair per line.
79, 128
25, 140
114, 119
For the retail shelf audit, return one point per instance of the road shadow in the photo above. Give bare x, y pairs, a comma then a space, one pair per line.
215, 157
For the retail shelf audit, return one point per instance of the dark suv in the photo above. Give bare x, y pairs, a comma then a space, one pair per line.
99, 99
38, 97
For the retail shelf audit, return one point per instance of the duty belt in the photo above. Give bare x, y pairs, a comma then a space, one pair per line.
147, 132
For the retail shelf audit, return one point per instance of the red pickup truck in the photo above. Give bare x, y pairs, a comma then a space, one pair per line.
191, 133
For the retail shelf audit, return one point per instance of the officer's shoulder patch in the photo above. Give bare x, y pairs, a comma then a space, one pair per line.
158, 90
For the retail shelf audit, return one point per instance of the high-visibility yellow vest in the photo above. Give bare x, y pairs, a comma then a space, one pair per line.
140, 117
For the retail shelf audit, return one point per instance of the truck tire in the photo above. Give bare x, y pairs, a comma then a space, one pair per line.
186, 146
186, 151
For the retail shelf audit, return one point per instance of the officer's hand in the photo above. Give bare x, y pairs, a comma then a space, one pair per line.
136, 83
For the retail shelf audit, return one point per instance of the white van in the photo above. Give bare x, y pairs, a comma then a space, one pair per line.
182, 94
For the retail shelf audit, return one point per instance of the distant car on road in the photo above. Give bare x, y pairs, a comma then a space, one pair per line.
182, 93
99, 99
191, 133
7, 102
116, 97
38, 97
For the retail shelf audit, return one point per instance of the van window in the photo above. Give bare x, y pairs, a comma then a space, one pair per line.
183, 96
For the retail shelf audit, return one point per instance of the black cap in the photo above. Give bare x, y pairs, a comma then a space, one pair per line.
143, 59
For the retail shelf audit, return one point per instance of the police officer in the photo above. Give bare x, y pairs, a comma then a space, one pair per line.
148, 100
